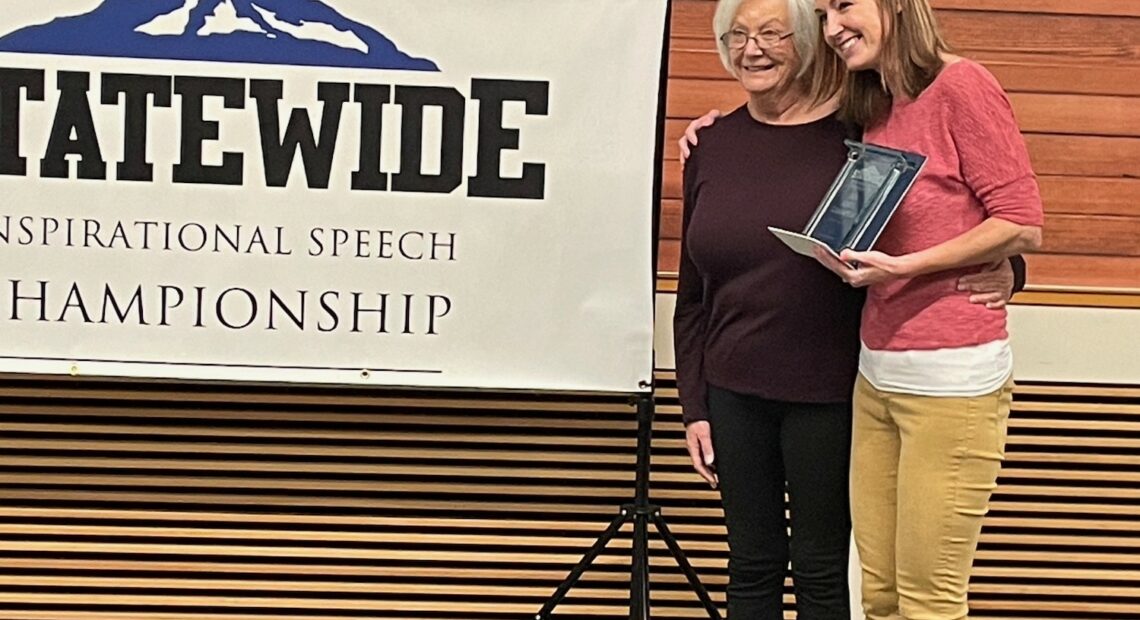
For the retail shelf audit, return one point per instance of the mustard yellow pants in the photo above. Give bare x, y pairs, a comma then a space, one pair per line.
922, 472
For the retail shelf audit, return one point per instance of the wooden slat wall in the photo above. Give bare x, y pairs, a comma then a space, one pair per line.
164, 502
1072, 68
171, 502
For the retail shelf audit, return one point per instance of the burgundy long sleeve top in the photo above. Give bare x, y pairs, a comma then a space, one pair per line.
752, 316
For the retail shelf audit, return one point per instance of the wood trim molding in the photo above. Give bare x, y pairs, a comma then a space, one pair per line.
1079, 297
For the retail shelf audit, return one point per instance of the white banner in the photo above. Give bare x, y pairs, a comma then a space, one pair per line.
452, 193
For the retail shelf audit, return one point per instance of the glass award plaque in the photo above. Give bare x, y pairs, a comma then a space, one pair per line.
860, 202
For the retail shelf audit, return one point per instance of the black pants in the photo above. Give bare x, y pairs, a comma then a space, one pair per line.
763, 448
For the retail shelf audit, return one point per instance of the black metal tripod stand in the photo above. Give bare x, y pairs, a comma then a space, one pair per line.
641, 512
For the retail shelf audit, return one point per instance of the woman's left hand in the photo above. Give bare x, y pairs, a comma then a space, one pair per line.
861, 269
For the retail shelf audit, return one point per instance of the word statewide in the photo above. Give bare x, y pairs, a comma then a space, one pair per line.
73, 133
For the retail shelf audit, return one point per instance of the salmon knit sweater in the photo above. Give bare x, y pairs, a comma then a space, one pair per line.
977, 167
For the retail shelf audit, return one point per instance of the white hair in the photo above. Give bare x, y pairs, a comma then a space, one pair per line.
804, 25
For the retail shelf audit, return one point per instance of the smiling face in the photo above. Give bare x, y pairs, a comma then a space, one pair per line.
854, 29
764, 71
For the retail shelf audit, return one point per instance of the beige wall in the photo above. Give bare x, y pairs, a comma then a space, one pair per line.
1056, 344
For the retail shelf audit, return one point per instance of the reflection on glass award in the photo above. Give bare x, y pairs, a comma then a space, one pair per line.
859, 203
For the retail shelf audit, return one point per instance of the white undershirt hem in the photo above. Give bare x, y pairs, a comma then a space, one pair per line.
957, 372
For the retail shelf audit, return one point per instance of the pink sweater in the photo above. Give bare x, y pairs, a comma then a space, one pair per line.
977, 167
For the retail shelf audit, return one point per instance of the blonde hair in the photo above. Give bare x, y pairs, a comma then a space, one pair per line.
821, 74
910, 59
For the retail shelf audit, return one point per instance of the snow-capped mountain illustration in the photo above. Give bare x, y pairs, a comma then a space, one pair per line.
288, 32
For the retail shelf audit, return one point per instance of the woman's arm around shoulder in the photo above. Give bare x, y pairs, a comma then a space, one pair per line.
689, 139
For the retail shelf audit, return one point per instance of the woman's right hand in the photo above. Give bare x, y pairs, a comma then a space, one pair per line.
993, 286
690, 137
698, 439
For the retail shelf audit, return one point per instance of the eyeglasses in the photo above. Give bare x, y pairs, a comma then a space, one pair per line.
737, 39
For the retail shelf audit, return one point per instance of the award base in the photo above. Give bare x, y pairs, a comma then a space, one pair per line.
803, 244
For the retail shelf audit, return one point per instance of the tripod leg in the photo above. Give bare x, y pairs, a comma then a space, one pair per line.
639, 577
583, 564
686, 568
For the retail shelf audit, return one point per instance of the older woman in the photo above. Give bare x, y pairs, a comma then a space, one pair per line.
767, 342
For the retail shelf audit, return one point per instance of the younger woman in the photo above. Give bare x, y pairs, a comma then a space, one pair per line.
933, 394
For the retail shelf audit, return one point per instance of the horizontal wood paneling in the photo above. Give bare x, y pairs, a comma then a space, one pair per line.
1067, 39
1072, 222
1099, 115
1072, 38
1088, 158
1015, 72
1062, 195
1072, 71
1092, 235
1084, 156
164, 502
1064, 234
1122, 8
195, 503
1026, 77
1089, 196
1084, 272
1046, 271
1077, 114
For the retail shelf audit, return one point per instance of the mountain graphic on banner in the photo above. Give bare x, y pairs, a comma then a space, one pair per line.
283, 32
